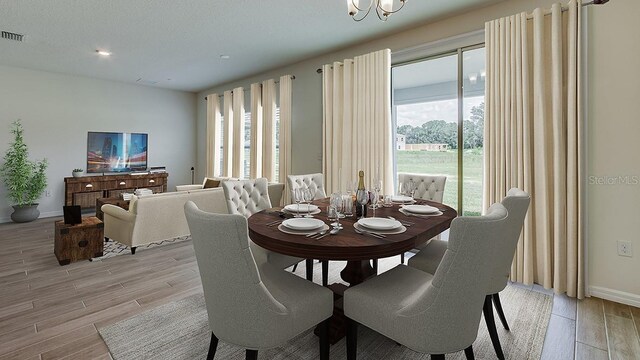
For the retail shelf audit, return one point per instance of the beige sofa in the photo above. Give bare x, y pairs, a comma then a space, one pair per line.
161, 216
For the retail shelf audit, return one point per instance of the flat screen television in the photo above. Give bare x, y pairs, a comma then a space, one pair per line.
116, 152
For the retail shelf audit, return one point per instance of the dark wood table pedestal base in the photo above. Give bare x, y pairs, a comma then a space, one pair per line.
357, 272
354, 273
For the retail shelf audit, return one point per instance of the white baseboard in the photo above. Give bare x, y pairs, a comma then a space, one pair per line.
47, 214
615, 295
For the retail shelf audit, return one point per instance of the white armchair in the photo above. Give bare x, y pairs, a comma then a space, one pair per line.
429, 187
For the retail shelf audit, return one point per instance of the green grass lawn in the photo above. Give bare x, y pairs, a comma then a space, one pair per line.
446, 163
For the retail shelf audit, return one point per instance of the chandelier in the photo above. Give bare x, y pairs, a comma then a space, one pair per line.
382, 8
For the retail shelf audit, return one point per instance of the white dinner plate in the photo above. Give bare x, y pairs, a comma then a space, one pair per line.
286, 230
303, 223
401, 199
420, 209
304, 208
376, 223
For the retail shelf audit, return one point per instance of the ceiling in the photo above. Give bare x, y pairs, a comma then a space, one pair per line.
177, 44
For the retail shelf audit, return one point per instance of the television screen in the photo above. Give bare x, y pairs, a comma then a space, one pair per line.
116, 152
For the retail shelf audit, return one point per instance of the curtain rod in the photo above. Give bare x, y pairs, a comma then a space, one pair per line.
530, 16
564, 8
293, 77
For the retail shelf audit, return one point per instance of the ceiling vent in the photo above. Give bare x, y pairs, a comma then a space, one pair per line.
12, 36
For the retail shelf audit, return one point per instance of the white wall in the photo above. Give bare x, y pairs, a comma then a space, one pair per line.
613, 211
614, 145
58, 110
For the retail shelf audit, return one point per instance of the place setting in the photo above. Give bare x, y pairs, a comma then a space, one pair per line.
420, 210
379, 227
310, 227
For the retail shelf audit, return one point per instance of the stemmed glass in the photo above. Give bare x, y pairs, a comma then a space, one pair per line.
308, 196
336, 203
363, 199
297, 196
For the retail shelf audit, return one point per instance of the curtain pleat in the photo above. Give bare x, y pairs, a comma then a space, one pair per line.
357, 132
269, 129
237, 167
285, 134
256, 132
533, 140
227, 161
213, 135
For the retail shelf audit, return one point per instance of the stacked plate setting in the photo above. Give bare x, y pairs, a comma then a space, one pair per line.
420, 210
380, 225
303, 209
401, 199
301, 226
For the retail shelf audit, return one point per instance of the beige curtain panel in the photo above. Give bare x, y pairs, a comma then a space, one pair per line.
237, 152
285, 134
255, 163
213, 135
534, 140
269, 129
357, 121
227, 149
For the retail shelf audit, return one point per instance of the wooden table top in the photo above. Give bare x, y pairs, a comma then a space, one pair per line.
347, 244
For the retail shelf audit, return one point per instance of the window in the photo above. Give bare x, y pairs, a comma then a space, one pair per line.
247, 145
439, 119
277, 156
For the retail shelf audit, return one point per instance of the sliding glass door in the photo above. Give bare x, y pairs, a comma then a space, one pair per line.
438, 116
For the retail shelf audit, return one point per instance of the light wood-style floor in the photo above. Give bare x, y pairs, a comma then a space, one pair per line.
49, 311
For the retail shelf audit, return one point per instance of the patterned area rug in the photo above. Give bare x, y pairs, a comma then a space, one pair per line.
179, 330
114, 248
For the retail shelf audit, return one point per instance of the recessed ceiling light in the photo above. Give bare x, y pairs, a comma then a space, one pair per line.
225, 57
103, 53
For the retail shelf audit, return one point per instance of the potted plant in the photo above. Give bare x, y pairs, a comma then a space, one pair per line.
77, 172
25, 180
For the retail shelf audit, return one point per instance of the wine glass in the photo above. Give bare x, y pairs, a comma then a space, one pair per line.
339, 205
296, 195
374, 201
336, 202
332, 215
308, 196
363, 199
401, 188
377, 187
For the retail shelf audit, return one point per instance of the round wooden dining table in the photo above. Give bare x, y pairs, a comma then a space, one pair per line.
356, 249
347, 244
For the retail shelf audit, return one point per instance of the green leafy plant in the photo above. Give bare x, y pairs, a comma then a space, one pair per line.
25, 180
77, 170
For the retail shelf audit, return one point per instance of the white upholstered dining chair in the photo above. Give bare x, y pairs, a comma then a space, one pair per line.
247, 197
429, 258
251, 305
433, 314
313, 182
428, 187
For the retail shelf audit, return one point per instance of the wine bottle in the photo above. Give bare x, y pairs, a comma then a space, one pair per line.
362, 197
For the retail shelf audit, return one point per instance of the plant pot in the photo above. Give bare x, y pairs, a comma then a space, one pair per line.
25, 213
77, 173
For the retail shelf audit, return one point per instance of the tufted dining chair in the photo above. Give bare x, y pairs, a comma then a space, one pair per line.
314, 182
429, 258
252, 305
247, 197
433, 314
429, 187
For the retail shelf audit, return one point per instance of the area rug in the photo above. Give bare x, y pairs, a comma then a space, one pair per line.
179, 330
114, 248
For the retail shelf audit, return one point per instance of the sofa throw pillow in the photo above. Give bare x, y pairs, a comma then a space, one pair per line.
211, 183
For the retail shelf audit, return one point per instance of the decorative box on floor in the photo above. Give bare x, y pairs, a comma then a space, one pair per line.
79, 242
